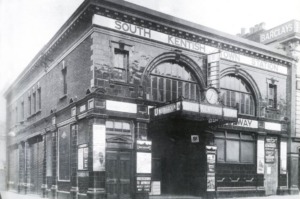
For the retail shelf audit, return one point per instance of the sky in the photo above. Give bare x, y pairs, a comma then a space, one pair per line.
27, 25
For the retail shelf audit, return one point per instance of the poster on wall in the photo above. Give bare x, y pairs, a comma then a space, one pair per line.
99, 141
211, 182
270, 156
260, 156
143, 163
283, 157
83, 158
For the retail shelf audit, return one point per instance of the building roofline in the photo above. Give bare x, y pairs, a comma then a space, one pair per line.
151, 13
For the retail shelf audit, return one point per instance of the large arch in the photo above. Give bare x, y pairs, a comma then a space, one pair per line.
240, 73
179, 58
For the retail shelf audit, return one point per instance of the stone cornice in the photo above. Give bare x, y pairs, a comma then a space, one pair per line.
153, 20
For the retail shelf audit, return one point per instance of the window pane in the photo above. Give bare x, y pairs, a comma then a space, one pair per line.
232, 151
154, 88
220, 149
118, 126
247, 136
247, 152
233, 135
126, 127
219, 134
168, 89
161, 89
174, 89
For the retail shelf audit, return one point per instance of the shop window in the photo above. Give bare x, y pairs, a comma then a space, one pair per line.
272, 96
120, 65
235, 147
118, 127
236, 93
170, 81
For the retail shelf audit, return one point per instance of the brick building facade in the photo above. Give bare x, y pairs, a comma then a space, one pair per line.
127, 102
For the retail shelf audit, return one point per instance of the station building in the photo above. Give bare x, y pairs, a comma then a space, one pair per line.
128, 102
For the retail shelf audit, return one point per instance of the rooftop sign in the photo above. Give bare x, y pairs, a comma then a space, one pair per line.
280, 31
183, 43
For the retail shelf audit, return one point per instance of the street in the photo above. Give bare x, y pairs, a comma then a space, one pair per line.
13, 195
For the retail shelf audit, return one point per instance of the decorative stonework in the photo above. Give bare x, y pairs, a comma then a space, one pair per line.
293, 49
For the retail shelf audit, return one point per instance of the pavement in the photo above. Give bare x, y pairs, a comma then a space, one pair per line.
13, 195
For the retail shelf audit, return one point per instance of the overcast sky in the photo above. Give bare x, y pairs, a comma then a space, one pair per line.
27, 25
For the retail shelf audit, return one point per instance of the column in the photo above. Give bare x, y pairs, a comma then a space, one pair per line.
53, 194
74, 162
27, 167
141, 133
293, 173
22, 179
44, 185
293, 104
97, 179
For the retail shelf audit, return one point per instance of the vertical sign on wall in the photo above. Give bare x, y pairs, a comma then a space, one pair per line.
143, 166
211, 165
260, 156
99, 141
283, 156
213, 70
270, 146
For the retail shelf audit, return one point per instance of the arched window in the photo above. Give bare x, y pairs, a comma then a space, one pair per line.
235, 92
170, 81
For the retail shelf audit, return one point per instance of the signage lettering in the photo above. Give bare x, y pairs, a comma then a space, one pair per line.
244, 123
186, 44
183, 43
166, 109
277, 32
133, 29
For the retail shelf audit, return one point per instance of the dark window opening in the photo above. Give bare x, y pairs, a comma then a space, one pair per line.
171, 81
272, 96
236, 93
235, 147
121, 61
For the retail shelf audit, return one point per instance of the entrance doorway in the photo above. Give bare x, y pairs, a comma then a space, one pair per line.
36, 157
178, 163
118, 174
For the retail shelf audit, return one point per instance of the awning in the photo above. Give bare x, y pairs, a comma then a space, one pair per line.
213, 114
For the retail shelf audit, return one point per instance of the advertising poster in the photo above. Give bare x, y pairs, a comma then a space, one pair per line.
83, 158
283, 158
270, 156
143, 163
260, 156
211, 182
99, 140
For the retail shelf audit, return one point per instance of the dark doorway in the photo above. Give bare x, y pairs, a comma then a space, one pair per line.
35, 167
118, 174
178, 163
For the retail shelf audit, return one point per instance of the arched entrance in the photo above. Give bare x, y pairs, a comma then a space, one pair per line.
178, 162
